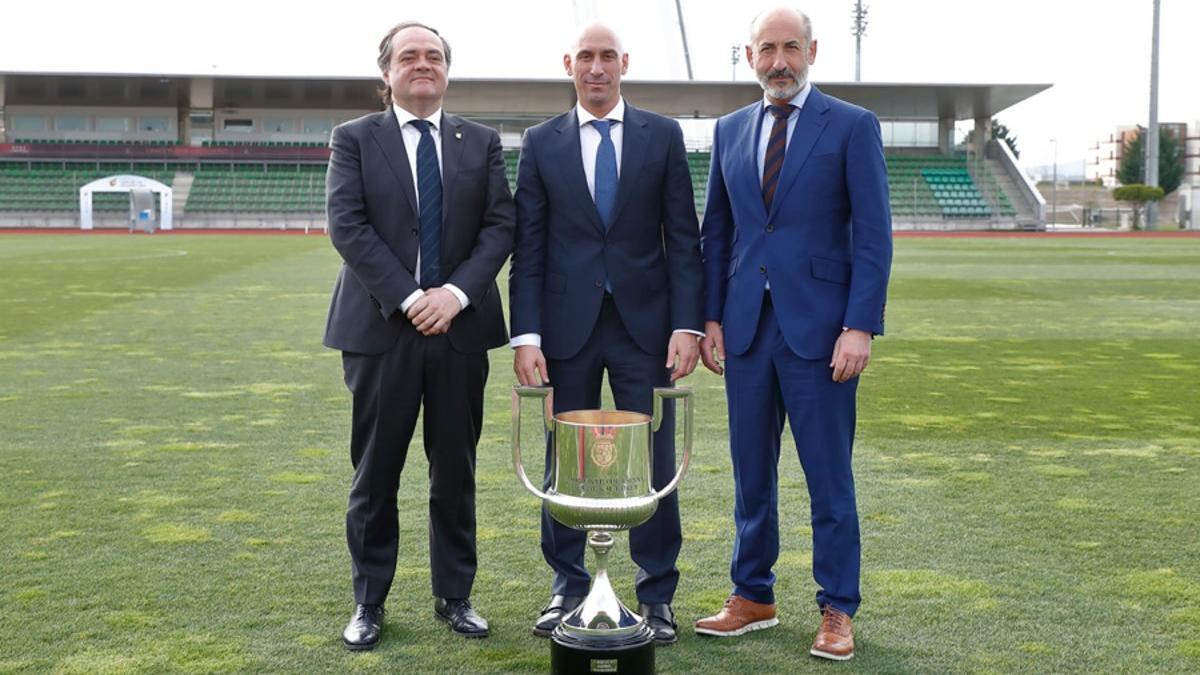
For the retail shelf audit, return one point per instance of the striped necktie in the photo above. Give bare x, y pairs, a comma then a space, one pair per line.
776, 148
429, 189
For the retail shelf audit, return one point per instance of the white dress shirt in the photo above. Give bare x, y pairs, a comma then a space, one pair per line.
412, 137
589, 140
589, 145
768, 121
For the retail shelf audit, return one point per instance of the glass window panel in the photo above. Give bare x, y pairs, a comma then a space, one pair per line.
241, 126
155, 124
318, 127
30, 122
279, 126
112, 124
904, 134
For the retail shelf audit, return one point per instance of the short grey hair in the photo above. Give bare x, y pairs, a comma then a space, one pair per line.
385, 52
808, 33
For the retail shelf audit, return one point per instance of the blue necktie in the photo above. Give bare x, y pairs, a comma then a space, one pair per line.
606, 172
429, 188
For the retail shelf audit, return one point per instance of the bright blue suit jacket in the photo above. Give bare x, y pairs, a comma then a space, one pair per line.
826, 244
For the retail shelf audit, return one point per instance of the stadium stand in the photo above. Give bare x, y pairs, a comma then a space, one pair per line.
926, 186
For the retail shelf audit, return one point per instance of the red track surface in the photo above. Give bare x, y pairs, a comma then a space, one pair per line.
982, 234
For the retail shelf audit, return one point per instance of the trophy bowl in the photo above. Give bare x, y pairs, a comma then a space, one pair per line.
601, 481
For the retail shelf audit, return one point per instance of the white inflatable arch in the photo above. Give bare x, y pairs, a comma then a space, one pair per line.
125, 183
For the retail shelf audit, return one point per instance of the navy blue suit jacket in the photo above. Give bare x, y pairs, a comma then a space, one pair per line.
563, 253
825, 246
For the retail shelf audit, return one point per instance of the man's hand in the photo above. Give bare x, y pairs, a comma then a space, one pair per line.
712, 347
433, 312
851, 353
530, 366
683, 351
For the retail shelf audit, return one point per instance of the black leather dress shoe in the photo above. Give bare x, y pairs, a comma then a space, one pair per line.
461, 617
553, 613
661, 620
362, 633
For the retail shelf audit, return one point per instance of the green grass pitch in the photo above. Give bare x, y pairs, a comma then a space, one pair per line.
173, 451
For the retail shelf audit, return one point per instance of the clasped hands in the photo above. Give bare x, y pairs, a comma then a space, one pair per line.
432, 313
851, 352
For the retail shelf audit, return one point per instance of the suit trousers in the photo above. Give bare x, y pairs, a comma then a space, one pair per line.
632, 376
765, 385
389, 390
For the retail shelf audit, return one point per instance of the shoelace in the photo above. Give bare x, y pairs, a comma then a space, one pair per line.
834, 621
363, 609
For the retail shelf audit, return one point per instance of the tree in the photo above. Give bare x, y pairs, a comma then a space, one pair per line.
1138, 196
1170, 161
999, 132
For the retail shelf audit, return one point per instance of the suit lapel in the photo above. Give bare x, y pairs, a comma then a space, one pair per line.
387, 135
748, 139
809, 125
572, 157
634, 138
452, 149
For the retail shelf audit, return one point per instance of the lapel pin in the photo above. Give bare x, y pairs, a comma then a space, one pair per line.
458, 135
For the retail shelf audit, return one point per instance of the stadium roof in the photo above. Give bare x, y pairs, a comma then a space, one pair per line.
482, 97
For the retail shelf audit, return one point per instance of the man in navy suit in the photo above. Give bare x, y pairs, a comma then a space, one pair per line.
797, 250
606, 277
420, 211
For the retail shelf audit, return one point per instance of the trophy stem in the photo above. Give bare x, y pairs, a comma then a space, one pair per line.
601, 544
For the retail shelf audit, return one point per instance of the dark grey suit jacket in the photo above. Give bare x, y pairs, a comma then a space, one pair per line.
374, 225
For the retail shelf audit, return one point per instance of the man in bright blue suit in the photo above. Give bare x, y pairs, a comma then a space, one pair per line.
606, 278
797, 248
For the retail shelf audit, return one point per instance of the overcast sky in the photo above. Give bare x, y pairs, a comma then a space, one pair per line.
1096, 53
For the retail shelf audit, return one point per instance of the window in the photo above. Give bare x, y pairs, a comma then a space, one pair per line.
70, 123
29, 123
279, 126
153, 124
239, 126
111, 125
314, 127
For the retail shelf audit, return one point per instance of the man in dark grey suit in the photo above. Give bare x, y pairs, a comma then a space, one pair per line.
421, 213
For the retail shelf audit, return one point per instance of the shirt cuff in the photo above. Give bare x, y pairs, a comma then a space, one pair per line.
462, 297
526, 340
408, 302
689, 331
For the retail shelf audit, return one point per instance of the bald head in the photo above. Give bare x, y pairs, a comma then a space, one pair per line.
780, 51
596, 62
782, 17
597, 33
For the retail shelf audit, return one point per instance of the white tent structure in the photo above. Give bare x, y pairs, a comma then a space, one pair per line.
126, 184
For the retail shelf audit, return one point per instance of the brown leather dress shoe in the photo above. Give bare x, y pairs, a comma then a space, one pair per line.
737, 617
835, 638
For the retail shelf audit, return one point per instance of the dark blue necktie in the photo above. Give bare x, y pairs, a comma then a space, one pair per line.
776, 146
429, 188
606, 172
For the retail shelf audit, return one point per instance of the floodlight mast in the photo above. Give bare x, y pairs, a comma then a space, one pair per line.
687, 57
859, 29
1151, 139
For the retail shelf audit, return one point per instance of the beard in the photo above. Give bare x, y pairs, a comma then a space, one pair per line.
785, 93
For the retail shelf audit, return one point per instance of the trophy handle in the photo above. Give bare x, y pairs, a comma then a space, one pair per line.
521, 392
684, 393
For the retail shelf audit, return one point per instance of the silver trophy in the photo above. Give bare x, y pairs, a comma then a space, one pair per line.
601, 482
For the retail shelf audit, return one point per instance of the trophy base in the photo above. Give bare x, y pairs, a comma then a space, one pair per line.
571, 654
